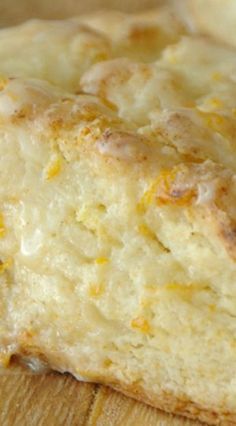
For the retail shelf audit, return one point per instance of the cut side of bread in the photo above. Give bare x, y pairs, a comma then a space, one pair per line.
117, 217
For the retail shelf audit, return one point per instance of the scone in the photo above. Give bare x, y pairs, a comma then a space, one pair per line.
118, 208
60, 51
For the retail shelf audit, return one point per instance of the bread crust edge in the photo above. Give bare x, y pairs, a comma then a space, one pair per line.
164, 400
179, 406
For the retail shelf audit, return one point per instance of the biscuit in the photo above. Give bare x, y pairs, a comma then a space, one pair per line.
117, 219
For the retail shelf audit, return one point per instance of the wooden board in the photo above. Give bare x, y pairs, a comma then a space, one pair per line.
28, 399
54, 399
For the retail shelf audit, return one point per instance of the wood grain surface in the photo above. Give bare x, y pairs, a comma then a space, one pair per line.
53, 399
59, 400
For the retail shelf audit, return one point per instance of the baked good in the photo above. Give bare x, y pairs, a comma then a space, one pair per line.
60, 51
117, 224
56, 51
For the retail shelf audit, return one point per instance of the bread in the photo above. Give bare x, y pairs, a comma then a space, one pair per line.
60, 51
118, 194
